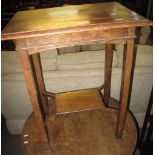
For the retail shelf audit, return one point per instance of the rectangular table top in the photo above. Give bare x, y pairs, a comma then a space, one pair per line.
65, 19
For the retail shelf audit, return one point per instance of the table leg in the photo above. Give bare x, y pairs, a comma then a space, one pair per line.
26, 64
40, 81
107, 73
125, 85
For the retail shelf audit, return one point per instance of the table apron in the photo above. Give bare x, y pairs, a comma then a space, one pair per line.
38, 44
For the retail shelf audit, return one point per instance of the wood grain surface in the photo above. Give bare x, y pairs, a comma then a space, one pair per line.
83, 133
78, 101
71, 18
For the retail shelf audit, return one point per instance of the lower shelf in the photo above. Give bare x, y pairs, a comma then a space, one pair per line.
78, 101
88, 132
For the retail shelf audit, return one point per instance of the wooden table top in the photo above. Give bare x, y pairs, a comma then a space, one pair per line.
66, 19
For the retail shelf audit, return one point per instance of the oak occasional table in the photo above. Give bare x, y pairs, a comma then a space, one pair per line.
81, 122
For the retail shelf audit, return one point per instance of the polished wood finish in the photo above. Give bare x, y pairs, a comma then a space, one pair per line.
38, 30
70, 19
78, 101
107, 72
82, 133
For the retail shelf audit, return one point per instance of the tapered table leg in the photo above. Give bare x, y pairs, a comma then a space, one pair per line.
125, 86
107, 72
39, 80
26, 64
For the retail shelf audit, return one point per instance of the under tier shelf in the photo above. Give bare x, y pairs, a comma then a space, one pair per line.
78, 101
